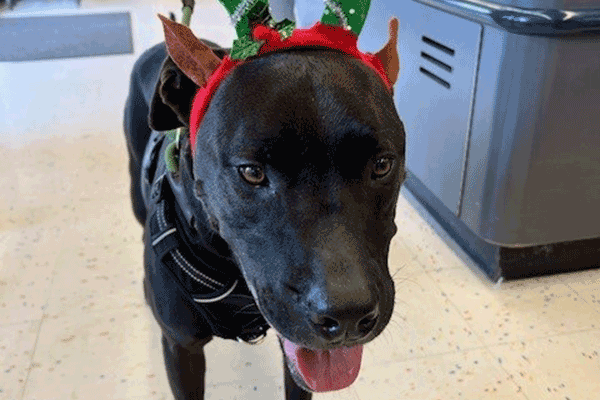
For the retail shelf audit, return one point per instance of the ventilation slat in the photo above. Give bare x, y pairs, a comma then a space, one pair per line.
434, 77
433, 60
438, 45
437, 62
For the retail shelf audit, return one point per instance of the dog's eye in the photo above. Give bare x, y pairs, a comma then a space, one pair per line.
252, 174
382, 167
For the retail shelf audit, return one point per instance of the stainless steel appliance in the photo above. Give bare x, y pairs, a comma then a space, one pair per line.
501, 104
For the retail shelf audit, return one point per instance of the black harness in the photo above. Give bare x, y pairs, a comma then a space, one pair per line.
213, 282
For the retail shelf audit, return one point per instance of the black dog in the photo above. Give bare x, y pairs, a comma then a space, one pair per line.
283, 217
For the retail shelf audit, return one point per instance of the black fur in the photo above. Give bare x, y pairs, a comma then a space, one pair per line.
311, 240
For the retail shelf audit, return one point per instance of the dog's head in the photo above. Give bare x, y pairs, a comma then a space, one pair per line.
298, 164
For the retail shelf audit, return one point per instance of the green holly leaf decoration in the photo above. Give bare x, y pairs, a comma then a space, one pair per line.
245, 14
248, 12
244, 47
285, 28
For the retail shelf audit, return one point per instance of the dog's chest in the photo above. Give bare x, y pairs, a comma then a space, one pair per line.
211, 282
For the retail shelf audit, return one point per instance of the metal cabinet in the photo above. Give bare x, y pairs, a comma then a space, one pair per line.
500, 105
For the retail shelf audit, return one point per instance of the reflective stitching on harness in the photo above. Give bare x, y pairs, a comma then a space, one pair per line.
208, 278
218, 298
247, 306
162, 223
174, 254
167, 234
251, 322
164, 235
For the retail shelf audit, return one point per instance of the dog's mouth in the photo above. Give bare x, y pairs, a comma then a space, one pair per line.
323, 370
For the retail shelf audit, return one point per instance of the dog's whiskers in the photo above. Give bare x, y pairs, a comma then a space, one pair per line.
402, 279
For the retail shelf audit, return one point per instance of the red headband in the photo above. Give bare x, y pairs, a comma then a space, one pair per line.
320, 35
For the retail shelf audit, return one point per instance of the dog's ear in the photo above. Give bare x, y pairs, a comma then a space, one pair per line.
389, 54
172, 100
195, 59
188, 67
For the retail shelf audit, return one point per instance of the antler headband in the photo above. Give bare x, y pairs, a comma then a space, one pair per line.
351, 15
259, 34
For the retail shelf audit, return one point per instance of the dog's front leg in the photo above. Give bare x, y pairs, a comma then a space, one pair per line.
292, 390
186, 368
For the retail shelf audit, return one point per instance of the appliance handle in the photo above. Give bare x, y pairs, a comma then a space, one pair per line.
522, 21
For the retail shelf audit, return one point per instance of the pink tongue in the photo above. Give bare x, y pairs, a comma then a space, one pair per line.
325, 370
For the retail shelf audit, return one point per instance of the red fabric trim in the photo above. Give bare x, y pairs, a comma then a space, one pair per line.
205, 94
320, 35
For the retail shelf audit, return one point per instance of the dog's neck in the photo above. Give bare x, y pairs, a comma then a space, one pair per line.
190, 211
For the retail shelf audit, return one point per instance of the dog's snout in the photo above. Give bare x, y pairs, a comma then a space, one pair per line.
345, 324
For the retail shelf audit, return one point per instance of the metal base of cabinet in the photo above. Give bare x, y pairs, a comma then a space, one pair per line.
508, 262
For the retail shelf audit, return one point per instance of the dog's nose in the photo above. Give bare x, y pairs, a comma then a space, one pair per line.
348, 323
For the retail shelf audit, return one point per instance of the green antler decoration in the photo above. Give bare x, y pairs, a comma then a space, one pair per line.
244, 15
351, 14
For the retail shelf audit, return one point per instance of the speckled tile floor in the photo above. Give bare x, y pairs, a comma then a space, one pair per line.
73, 324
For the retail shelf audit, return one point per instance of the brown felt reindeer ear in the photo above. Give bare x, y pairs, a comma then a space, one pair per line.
189, 65
195, 59
389, 54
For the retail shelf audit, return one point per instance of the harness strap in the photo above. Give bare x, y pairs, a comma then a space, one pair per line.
223, 300
166, 241
162, 234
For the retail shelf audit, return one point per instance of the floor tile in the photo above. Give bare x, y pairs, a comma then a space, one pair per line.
554, 368
100, 352
25, 284
245, 390
231, 361
464, 375
108, 223
516, 311
402, 263
17, 344
416, 233
582, 280
424, 323
586, 284
97, 277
